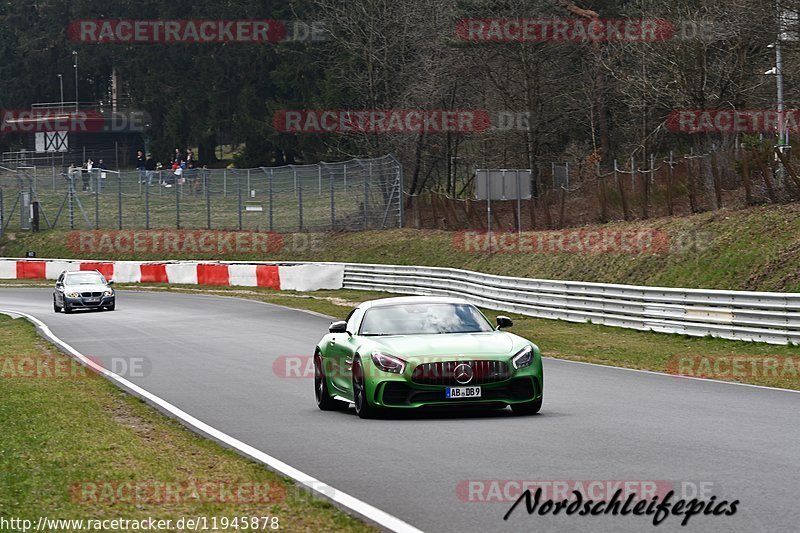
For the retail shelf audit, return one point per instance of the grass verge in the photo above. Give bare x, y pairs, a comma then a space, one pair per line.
750, 249
73, 443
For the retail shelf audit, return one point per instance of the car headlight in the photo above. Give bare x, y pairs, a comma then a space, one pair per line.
388, 363
523, 358
73, 295
108, 293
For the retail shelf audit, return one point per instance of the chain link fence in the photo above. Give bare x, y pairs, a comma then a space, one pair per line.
358, 194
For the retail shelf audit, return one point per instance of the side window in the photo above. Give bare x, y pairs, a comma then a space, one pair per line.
354, 319
60, 278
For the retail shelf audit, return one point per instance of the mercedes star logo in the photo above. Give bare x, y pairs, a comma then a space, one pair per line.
463, 373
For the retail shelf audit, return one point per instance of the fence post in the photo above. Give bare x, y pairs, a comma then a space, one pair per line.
119, 198
299, 199
177, 203
670, 177
239, 198
2, 214
96, 185
207, 190
146, 202
402, 191
489, 210
519, 205
333, 204
270, 199
366, 197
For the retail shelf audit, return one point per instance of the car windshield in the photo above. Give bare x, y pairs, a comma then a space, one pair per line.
424, 318
89, 278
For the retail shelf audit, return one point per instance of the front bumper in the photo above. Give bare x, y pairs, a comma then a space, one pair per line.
87, 303
407, 394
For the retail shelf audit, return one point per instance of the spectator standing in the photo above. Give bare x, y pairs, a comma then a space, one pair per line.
86, 172
102, 175
150, 169
140, 163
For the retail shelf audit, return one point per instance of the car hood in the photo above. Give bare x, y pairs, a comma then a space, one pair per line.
448, 345
86, 288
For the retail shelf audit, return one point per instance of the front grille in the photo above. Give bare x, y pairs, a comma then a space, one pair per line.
91, 294
443, 372
398, 393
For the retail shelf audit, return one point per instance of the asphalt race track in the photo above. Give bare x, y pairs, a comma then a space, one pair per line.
213, 357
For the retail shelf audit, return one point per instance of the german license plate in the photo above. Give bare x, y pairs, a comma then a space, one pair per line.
92, 300
456, 393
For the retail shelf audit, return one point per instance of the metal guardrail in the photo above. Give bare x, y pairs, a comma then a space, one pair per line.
738, 315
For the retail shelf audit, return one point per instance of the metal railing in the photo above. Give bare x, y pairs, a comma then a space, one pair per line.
749, 316
350, 195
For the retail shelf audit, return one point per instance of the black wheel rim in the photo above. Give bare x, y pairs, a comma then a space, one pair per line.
318, 383
358, 387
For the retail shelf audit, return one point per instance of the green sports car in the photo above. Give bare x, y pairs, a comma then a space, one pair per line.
424, 351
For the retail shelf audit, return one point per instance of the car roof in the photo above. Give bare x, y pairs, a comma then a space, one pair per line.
403, 300
74, 272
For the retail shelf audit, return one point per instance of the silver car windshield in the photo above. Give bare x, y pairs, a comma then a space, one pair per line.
89, 278
422, 319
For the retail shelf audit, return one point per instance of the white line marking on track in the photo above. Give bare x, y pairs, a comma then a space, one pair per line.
317, 487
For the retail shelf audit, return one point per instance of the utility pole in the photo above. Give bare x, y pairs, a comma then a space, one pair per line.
75, 65
61, 87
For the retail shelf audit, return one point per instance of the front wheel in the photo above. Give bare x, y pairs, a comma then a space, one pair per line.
112, 306
324, 400
56, 308
527, 408
67, 308
363, 408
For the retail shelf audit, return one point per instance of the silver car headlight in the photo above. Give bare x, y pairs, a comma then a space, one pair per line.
108, 293
73, 295
523, 358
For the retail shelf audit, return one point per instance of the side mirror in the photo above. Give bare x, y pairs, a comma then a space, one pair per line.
59, 284
504, 322
339, 326
111, 282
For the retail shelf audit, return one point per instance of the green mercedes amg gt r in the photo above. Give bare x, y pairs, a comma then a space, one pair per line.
423, 351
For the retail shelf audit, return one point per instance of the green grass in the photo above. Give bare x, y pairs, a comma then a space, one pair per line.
59, 432
751, 249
